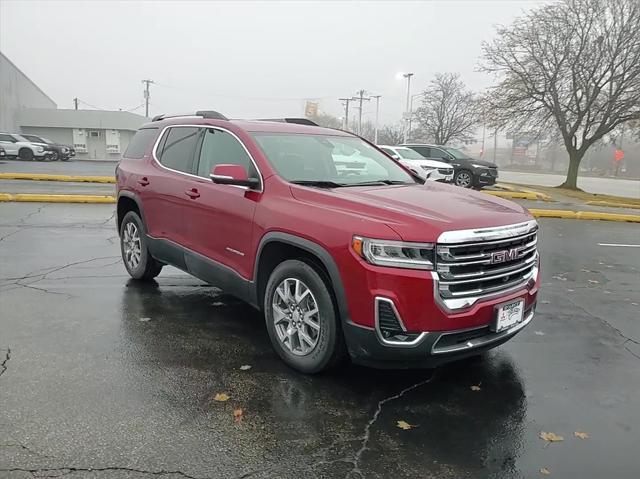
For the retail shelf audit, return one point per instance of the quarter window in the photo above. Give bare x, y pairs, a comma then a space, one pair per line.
222, 148
140, 143
179, 148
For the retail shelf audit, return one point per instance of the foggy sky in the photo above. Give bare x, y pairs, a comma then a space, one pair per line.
246, 59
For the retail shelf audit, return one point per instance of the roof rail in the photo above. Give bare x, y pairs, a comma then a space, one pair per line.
210, 114
299, 121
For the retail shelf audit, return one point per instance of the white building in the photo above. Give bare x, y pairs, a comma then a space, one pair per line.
93, 133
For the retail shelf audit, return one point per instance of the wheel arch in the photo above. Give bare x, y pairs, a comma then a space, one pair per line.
128, 201
276, 247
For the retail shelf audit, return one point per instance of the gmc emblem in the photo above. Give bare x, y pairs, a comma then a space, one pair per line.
506, 255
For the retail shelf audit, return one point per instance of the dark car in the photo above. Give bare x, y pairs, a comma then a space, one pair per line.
60, 151
469, 172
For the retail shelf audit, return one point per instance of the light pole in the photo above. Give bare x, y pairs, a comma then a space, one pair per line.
408, 106
346, 112
411, 111
375, 130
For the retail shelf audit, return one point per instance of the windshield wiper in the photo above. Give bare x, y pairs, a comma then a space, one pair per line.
378, 182
319, 183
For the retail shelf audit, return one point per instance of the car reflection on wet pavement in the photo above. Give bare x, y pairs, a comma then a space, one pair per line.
107, 377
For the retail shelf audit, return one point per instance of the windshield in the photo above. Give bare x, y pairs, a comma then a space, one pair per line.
457, 154
409, 154
33, 138
331, 160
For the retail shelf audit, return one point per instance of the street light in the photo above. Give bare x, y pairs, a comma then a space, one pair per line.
407, 113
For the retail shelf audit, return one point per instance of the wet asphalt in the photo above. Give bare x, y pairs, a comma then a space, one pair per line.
103, 377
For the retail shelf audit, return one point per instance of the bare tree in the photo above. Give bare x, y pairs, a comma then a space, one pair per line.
449, 112
391, 135
573, 63
326, 120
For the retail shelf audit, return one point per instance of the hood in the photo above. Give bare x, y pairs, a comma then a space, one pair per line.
417, 212
477, 162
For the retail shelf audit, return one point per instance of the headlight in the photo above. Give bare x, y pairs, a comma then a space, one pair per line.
477, 166
40, 149
397, 254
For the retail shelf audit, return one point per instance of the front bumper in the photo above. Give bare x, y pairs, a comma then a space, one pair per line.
433, 349
484, 178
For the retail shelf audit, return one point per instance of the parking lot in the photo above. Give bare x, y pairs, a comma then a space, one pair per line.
103, 377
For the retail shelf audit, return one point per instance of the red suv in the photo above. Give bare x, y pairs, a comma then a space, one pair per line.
345, 252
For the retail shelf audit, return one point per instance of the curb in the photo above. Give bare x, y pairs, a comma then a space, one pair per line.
47, 177
611, 204
36, 198
514, 195
584, 215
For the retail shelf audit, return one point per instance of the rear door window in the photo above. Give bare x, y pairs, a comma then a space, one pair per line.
423, 150
439, 154
179, 148
140, 143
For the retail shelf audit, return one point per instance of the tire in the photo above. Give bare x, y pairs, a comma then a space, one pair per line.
463, 179
55, 157
133, 246
324, 346
25, 154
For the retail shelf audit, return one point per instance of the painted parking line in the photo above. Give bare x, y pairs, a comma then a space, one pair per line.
620, 245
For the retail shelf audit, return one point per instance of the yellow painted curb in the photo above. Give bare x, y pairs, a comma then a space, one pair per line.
584, 215
47, 177
613, 204
36, 198
515, 195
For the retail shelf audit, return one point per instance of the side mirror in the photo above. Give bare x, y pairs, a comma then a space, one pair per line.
235, 175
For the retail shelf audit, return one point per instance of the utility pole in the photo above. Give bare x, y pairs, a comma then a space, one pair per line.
75, 103
146, 96
345, 125
495, 144
375, 130
360, 98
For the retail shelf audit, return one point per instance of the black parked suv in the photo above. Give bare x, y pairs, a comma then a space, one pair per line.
60, 151
469, 172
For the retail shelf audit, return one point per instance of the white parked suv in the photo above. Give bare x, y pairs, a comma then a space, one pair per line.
421, 166
16, 145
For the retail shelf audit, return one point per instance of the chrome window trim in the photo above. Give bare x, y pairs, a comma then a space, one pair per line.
202, 126
479, 342
487, 234
379, 335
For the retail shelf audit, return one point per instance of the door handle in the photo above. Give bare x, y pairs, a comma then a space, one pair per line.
192, 193
144, 181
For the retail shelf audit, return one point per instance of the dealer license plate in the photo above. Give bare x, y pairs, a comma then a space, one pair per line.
509, 314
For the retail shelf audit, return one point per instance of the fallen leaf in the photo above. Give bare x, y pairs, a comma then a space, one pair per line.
238, 414
217, 303
538, 333
544, 471
550, 437
221, 397
634, 304
144, 320
476, 387
245, 367
571, 290
560, 278
585, 271
593, 281
405, 425
581, 435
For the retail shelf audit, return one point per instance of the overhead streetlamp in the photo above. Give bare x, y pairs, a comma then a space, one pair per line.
407, 113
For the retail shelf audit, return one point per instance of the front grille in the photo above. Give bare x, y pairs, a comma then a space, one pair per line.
479, 268
445, 171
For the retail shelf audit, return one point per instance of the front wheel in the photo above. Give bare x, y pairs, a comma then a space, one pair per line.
302, 322
25, 154
133, 246
463, 178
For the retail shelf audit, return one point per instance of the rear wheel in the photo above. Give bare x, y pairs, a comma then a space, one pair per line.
25, 154
302, 321
463, 178
133, 245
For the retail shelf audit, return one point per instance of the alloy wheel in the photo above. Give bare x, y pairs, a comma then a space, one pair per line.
463, 179
296, 316
132, 245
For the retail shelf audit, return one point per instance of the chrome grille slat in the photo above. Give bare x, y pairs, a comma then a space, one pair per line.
480, 268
